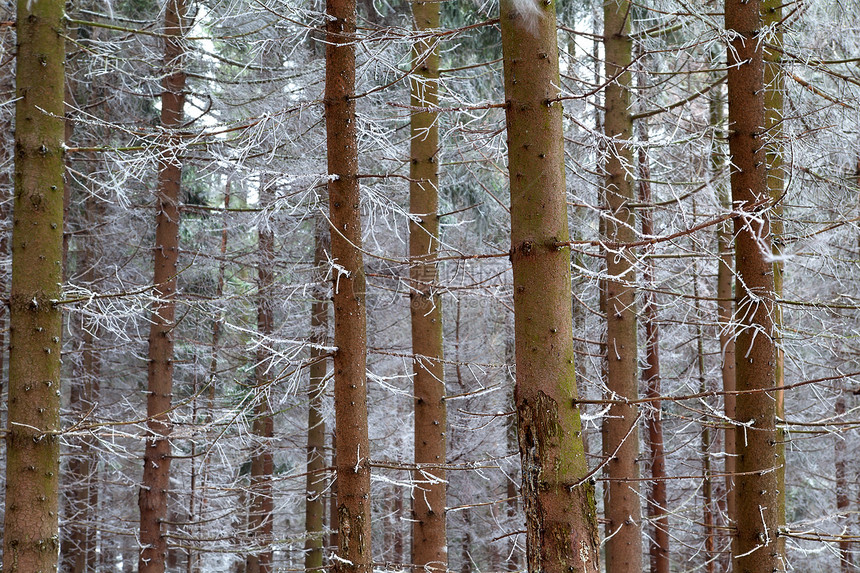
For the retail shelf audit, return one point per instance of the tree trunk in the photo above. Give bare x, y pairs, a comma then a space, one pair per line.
559, 502
705, 449
262, 428
773, 109
83, 464
757, 496
31, 529
316, 478
429, 543
350, 321
156, 460
725, 304
620, 435
658, 513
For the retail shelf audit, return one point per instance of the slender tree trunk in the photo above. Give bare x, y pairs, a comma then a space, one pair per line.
156, 460
757, 501
658, 512
429, 543
707, 484
262, 462
725, 304
559, 503
315, 485
846, 564
350, 320
83, 464
31, 529
620, 435
773, 109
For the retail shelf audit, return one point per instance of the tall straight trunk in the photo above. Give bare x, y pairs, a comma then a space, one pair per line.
658, 513
774, 83
350, 320
620, 435
156, 459
84, 395
846, 562
30, 534
705, 449
262, 428
725, 301
315, 485
429, 543
561, 524
757, 495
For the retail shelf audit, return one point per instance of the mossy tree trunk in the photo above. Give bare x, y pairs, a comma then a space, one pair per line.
31, 534
558, 501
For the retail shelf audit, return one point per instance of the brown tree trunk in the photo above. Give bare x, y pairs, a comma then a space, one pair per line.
658, 513
30, 540
559, 503
350, 320
773, 109
156, 460
725, 305
429, 543
262, 428
705, 449
84, 395
757, 495
620, 434
315, 485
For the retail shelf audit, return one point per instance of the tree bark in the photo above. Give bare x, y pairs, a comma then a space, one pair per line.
429, 543
262, 463
725, 303
658, 511
156, 461
774, 83
620, 435
558, 501
757, 496
31, 532
315, 485
350, 320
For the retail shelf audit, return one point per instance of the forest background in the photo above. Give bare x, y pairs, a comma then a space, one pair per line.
224, 103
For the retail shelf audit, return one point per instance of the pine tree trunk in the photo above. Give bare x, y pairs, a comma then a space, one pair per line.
429, 543
706, 443
350, 320
559, 504
262, 428
725, 304
620, 435
757, 496
658, 513
30, 535
156, 461
83, 464
773, 109
316, 479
